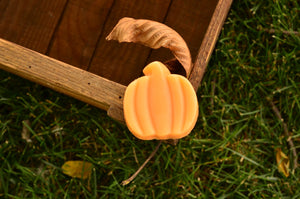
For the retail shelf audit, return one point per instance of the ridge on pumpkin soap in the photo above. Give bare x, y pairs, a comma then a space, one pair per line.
160, 105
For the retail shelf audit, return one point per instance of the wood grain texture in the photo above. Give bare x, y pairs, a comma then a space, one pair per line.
62, 77
124, 62
190, 18
209, 42
76, 37
30, 23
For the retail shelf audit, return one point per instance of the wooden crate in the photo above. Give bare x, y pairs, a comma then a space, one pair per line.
61, 43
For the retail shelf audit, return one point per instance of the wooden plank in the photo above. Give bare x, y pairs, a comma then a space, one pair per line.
77, 35
209, 42
190, 18
30, 23
124, 62
62, 77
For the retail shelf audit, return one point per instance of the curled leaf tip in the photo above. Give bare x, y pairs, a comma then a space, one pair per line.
154, 35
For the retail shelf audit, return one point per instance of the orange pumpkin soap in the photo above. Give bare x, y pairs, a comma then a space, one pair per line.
160, 105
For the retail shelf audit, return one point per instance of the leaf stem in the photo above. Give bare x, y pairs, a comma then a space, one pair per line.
127, 181
287, 134
286, 32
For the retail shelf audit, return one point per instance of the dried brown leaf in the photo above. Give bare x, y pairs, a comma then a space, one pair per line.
25, 131
154, 35
283, 162
77, 169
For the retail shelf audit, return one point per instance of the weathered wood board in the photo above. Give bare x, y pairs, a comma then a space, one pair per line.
62, 77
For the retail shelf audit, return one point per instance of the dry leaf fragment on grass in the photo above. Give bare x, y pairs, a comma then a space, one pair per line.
154, 35
25, 131
283, 162
77, 169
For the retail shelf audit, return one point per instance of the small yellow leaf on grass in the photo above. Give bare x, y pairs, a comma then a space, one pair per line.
77, 169
283, 162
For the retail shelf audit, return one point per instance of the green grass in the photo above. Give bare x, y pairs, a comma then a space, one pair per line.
229, 154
